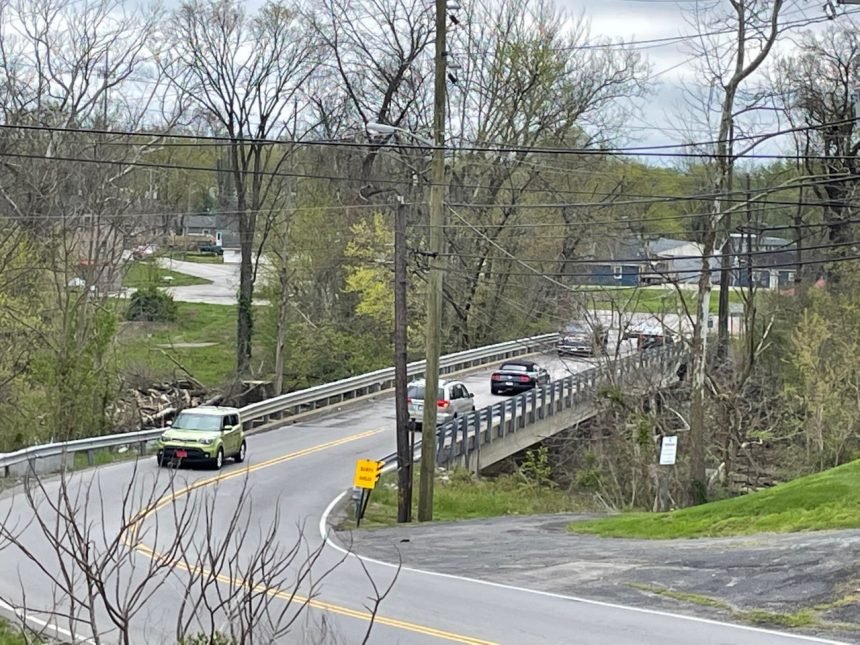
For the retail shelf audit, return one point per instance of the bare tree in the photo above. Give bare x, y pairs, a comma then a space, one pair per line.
245, 73
728, 64
816, 88
528, 77
106, 554
67, 65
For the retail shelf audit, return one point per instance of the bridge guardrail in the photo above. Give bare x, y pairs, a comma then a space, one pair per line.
458, 439
281, 408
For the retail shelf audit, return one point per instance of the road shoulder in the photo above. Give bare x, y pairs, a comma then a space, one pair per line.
809, 582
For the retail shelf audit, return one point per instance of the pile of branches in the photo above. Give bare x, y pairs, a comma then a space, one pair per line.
151, 405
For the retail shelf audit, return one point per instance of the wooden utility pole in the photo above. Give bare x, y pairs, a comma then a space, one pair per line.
404, 449
434, 280
726, 261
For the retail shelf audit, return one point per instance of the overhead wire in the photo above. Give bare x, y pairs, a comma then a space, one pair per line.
351, 179
649, 258
653, 150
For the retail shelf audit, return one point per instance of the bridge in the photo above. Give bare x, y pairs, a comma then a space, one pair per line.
300, 459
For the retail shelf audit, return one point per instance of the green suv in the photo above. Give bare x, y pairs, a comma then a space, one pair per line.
203, 435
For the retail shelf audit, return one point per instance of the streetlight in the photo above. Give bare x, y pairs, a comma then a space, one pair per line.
405, 447
433, 325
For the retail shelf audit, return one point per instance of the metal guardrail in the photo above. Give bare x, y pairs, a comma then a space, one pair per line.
458, 439
281, 408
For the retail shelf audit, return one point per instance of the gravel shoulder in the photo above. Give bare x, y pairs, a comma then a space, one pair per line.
809, 582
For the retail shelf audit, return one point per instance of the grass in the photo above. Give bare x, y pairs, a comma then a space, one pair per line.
142, 274
145, 348
797, 619
654, 300
461, 497
108, 456
826, 500
11, 636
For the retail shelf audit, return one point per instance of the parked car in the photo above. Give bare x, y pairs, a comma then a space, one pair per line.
452, 400
580, 338
518, 376
203, 435
210, 248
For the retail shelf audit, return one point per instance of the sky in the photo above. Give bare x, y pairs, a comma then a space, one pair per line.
672, 63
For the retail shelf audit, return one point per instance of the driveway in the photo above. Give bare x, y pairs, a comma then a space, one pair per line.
224, 279
719, 578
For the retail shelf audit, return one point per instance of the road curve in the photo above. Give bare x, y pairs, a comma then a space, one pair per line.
294, 473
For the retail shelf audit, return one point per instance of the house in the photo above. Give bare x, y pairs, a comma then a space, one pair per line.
773, 261
218, 228
644, 262
96, 255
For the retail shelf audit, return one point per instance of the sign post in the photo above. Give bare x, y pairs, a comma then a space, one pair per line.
367, 472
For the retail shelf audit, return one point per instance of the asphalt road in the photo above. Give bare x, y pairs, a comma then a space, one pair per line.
293, 474
223, 278
718, 578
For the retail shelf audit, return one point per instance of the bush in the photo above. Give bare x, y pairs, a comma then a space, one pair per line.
151, 305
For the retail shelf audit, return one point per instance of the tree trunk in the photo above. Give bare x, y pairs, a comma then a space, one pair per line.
283, 301
245, 318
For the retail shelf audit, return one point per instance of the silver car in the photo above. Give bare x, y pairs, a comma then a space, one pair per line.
453, 399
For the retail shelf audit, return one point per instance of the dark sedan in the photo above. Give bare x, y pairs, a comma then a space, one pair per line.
518, 376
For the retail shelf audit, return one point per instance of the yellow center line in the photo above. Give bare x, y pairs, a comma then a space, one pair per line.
169, 498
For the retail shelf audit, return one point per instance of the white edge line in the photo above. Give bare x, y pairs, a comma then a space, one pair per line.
28, 618
324, 534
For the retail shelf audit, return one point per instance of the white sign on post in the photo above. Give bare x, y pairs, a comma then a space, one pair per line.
668, 451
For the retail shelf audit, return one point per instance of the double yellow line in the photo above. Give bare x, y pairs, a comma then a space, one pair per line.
287, 595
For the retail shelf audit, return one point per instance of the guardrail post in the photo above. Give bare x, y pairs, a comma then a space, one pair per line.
542, 403
91, 457
489, 425
503, 420
141, 449
523, 412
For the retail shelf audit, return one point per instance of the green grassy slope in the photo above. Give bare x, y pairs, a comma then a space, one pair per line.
826, 500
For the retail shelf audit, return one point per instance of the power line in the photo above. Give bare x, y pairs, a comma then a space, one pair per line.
633, 260
473, 147
688, 272
650, 200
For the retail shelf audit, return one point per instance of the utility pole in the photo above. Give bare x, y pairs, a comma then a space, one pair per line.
750, 314
725, 282
725, 270
434, 281
404, 449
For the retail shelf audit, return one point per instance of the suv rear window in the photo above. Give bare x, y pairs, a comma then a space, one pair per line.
417, 392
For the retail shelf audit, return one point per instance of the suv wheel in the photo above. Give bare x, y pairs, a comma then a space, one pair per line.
219, 459
240, 456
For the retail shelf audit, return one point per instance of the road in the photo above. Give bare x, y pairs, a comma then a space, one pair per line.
294, 473
223, 278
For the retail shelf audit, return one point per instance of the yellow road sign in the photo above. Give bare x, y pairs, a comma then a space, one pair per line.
367, 473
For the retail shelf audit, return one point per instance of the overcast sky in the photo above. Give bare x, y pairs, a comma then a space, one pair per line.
671, 62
